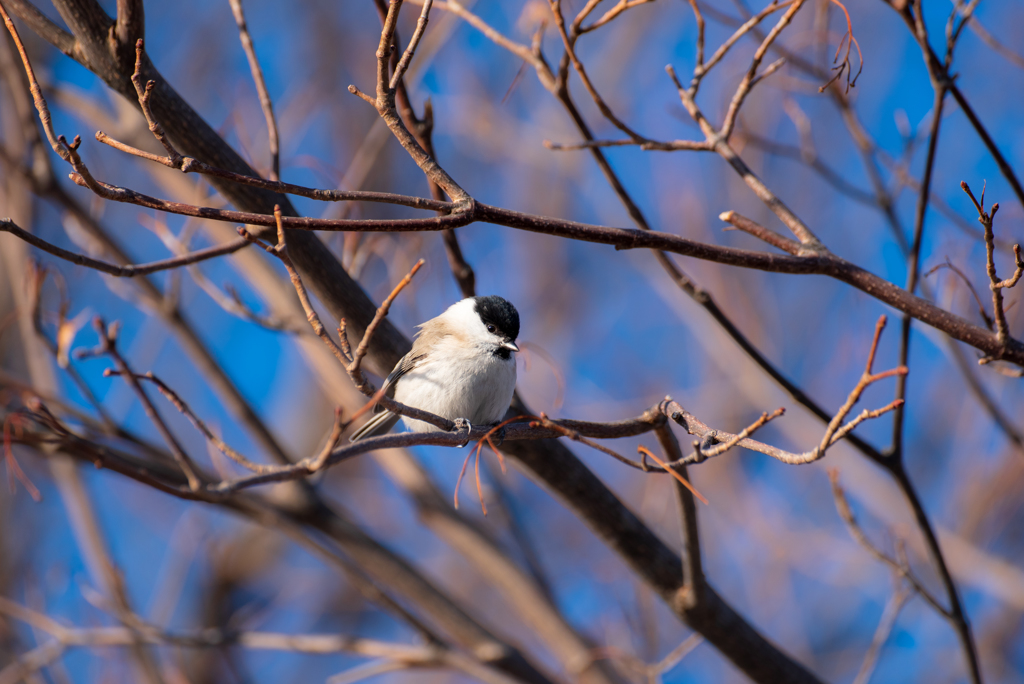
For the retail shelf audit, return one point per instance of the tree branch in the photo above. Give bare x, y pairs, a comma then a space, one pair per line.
125, 271
261, 89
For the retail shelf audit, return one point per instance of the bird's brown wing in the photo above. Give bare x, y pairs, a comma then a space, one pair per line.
384, 420
406, 364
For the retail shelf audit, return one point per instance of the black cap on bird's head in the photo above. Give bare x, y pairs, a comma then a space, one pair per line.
499, 313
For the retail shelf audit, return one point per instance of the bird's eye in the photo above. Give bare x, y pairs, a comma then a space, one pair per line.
491, 328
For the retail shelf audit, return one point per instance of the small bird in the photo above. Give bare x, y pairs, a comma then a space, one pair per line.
460, 366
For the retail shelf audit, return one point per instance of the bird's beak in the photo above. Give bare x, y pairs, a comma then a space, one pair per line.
510, 345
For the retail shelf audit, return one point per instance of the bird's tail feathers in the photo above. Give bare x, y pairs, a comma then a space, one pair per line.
378, 425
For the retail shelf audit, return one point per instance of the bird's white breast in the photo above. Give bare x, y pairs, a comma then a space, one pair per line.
459, 381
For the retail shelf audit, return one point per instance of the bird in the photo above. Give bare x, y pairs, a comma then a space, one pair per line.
461, 367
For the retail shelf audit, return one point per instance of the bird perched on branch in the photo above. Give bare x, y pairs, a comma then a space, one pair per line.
460, 367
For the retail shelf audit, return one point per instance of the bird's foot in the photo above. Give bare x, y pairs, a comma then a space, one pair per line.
463, 427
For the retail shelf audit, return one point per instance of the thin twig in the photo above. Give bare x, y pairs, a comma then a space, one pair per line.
744, 433
939, 69
322, 195
672, 471
428, 655
185, 410
518, 49
643, 143
281, 252
882, 632
987, 38
749, 80
967, 281
58, 146
410, 50
812, 245
701, 69
761, 232
569, 42
652, 673
699, 64
611, 14
129, 270
386, 107
228, 299
261, 89
145, 92
382, 311
845, 66
995, 285
901, 569
914, 256
332, 441
108, 347
576, 436
834, 431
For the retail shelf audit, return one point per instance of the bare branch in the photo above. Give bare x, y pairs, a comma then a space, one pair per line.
385, 106
987, 38
261, 89
184, 409
759, 231
127, 271
744, 433
996, 285
190, 165
719, 143
612, 13
749, 79
343, 353
382, 311
810, 261
967, 281
835, 430
522, 51
702, 68
900, 568
699, 64
37, 93
673, 472
885, 625
938, 70
410, 50
569, 41
281, 252
108, 347
145, 93
429, 655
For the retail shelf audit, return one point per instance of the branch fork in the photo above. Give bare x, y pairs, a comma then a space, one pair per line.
108, 335
835, 431
384, 102
996, 285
